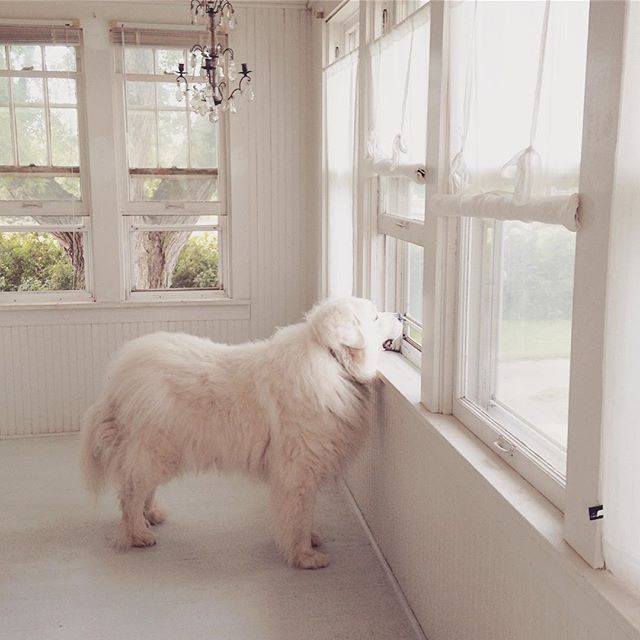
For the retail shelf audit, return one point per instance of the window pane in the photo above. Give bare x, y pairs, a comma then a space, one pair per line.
4, 90
41, 261
167, 92
24, 56
140, 94
175, 260
61, 91
402, 197
37, 187
28, 90
141, 129
6, 148
32, 137
173, 139
534, 345
64, 137
174, 188
3, 57
169, 59
60, 58
204, 148
138, 60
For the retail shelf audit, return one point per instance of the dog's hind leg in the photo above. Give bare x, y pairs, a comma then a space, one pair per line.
133, 530
152, 513
293, 505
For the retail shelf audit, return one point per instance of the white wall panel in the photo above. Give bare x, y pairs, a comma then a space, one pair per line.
50, 374
469, 564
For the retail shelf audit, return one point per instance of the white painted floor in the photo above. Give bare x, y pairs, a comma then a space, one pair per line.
214, 573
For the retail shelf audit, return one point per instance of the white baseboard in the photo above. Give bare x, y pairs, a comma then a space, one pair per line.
402, 599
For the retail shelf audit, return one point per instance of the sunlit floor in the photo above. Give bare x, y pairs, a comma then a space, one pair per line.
214, 573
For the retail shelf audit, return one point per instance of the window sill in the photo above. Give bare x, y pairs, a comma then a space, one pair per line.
90, 312
599, 587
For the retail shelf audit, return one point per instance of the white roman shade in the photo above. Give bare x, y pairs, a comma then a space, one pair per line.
340, 114
501, 206
68, 34
397, 139
515, 122
126, 35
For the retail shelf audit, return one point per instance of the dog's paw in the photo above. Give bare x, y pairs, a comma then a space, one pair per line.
143, 539
316, 539
155, 516
311, 560
125, 539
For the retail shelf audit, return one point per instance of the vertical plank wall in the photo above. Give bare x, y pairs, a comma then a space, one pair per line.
50, 370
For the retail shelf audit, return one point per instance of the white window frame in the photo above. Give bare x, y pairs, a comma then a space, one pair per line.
66, 208
442, 238
130, 209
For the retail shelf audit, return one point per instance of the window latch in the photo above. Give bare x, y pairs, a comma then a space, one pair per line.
174, 205
503, 445
32, 204
595, 512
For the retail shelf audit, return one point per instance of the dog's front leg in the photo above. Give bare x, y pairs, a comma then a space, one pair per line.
293, 505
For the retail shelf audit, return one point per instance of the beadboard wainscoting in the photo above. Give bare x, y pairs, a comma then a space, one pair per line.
50, 373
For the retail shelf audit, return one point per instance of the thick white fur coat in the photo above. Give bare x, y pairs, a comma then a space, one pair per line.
291, 411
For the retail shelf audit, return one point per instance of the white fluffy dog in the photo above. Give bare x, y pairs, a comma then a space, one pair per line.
290, 410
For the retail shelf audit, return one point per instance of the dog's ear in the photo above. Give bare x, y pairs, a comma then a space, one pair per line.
334, 324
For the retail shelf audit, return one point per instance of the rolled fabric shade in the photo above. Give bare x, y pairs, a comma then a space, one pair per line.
501, 206
414, 172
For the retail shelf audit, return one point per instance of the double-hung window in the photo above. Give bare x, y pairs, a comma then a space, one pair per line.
395, 164
516, 101
44, 223
174, 207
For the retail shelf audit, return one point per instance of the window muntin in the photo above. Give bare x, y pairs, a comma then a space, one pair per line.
189, 250
39, 126
172, 152
44, 227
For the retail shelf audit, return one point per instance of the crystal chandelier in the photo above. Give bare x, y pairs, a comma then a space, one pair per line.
220, 86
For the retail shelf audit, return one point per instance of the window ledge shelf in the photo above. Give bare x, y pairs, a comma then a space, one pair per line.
44, 313
545, 521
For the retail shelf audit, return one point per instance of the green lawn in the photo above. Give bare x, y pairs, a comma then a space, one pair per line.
535, 339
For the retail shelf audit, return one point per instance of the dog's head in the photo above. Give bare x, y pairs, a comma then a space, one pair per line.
355, 333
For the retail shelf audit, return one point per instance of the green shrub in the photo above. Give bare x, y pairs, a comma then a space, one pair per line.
33, 262
198, 264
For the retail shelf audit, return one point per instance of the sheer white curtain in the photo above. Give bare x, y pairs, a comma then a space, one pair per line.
516, 88
621, 435
340, 119
398, 99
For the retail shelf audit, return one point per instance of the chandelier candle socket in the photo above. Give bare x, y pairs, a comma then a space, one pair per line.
214, 73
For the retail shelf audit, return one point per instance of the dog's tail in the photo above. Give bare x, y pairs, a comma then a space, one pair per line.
99, 441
